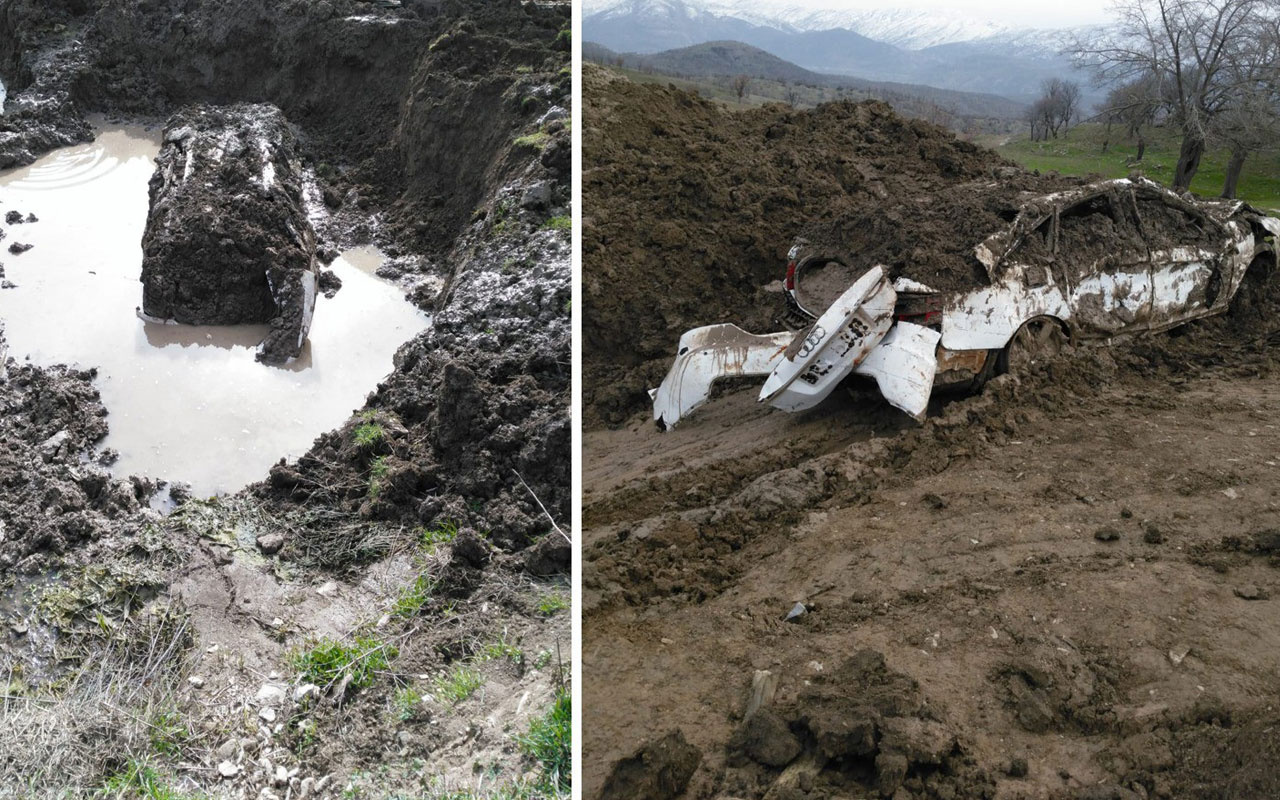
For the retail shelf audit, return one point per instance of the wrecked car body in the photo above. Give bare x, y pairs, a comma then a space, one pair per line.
1107, 260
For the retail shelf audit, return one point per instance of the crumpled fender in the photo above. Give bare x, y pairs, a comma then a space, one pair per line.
904, 365
707, 354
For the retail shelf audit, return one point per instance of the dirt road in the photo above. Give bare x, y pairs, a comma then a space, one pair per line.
1077, 570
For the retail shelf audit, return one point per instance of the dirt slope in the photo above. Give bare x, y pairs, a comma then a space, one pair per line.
690, 209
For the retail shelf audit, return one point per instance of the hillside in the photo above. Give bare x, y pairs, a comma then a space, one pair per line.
724, 59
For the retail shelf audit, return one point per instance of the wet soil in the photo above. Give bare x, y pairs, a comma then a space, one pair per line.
691, 209
1058, 588
439, 133
178, 390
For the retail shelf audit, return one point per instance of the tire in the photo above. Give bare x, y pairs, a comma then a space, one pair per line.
1038, 339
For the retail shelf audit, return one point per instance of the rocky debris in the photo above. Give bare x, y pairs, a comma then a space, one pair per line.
270, 543
659, 770
1251, 591
17, 248
228, 241
13, 217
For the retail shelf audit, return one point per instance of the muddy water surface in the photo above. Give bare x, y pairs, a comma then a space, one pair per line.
185, 403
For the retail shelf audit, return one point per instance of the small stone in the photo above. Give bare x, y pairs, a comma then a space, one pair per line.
1178, 653
32, 218
304, 789
13, 218
934, 501
1126, 513
1107, 533
270, 543
270, 694
19, 628
537, 196
196, 681
304, 691
228, 750
282, 775
228, 769
328, 589
1151, 533
1250, 592
18, 248
267, 715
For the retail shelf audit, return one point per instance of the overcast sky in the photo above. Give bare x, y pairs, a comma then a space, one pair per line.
1019, 13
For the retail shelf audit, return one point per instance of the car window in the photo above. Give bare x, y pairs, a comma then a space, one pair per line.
1168, 226
1036, 247
1097, 234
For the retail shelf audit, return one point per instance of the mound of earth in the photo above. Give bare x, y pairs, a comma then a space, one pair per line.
690, 208
228, 241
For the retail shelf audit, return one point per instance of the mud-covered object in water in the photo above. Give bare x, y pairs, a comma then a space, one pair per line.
228, 240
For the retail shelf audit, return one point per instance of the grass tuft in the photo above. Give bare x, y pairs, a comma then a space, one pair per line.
326, 661
459, 684
552, 603
533, 141
550, 742
561, 223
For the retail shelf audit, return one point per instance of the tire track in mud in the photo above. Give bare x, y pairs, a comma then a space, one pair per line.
965, 551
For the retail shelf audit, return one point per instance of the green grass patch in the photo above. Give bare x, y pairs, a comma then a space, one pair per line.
496, 651
377, 476
416, 596
140, 781
368, 433
552, 603
533, 141
459, 683
169, 732
327, 660
550, 742
1079, 152
443, 533
407, 702
524, 69
561, 223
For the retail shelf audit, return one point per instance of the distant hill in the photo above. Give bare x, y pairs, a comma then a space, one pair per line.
725, 58
1006, 62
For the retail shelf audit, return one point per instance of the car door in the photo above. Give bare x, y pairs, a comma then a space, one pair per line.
1103, 259
1185, 266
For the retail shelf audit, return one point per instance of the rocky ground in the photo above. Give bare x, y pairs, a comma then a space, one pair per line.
389, 613
1061, 587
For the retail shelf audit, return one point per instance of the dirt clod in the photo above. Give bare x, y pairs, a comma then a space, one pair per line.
659, 770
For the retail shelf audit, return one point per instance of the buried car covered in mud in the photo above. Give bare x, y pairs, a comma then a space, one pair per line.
1102, 261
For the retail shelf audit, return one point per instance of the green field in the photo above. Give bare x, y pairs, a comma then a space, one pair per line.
1080, 153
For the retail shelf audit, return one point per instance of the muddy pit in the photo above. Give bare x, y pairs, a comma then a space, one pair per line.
186, 402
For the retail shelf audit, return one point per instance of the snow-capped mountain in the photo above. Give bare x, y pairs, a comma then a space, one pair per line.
944, 50
907, 28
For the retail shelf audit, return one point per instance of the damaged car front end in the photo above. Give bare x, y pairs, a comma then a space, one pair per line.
1100, 262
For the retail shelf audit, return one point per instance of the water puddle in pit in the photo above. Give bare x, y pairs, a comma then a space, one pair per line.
185, 403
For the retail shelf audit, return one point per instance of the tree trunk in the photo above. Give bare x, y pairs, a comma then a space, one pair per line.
1188, 161
1142, 147
1234, 166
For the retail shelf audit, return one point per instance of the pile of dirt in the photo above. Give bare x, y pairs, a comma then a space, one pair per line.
690, 208
228, 241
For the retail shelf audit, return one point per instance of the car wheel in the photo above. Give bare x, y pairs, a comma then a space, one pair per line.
1039, 339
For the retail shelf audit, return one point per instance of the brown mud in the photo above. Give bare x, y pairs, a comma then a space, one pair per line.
1059, 588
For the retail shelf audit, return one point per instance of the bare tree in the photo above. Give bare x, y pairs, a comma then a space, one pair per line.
1250, 122
1057, 108
791, 92
1135, 106
740, 85
1188, 48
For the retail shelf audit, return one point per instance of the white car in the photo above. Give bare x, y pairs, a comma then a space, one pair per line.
1111, 259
